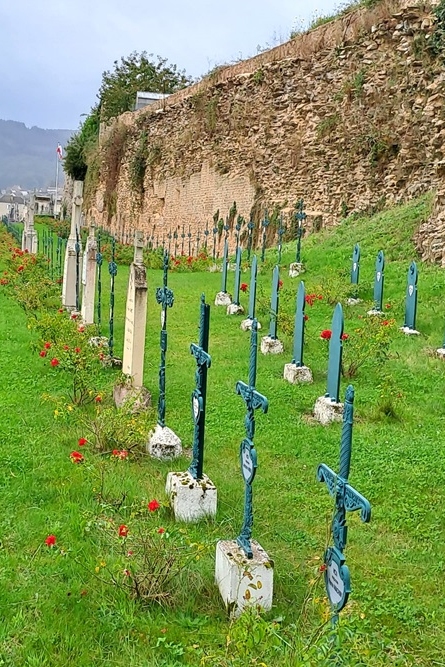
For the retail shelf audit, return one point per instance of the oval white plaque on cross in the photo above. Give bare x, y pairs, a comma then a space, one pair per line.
248, 461
196, 406
162, 318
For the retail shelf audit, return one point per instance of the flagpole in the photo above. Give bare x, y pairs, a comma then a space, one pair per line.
57, 183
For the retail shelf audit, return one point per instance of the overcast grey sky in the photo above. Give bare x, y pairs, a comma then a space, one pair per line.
53, 52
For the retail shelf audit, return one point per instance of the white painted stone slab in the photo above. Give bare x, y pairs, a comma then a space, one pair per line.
297, 374
373, 311
295, 269
223, 299
135, 324
89, 279
409, 332
246, 325
70, 269
326, 412
234, 309
191, 499
243, 582
164, 444
441, 352
271, 345
353, 302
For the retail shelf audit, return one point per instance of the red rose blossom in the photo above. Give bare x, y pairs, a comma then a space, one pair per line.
76, 457
161, 530
77, 350
345, 336
244, 287
153, 505
50, 540
123, 530
326, 334
98, 399
47, 346
306, 317
82, 442
280, 284
43, 353
55, 362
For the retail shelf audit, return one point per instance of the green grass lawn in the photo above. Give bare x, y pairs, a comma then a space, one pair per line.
59, 606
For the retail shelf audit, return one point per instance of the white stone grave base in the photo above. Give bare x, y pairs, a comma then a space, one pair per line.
223, 299
98, 341
243, 582
164, 444
373, 311
326, 412
410, 332
295, 269
138, 397
441, 352
271, 345
235, 309
352, 301
191, 499
246, 325
297, 374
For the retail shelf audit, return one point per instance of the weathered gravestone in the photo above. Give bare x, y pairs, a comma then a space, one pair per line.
73, 255
246, 324
164, 443
235, 308
134, 337
355, 273
243, 570
223, 298
409, 327
347, 499
89, 277
29, 237
270, 344
379, 280
300, 216
296, 372
192, 494
328, 407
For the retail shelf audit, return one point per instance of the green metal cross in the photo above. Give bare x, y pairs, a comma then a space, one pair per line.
300, 217
411, 297
335, 355
248, 456
347, 499
274, 303
299, 327
164, 296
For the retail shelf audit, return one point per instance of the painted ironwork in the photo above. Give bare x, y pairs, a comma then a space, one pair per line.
252, 288
215, 232
59, 250
77, 248
300, 217
335, 355
225, 262
112, 270
227, 227
274, 303
199, 395
189, 236
182, 240
280, 232
379, 280
175, 238
206, 236
198, 241
347, 499
411, 297
236, 290
169, 236
164, 296
239, 224
265, 224
248, 456
250, 228
299, 327
355, 268
99, 262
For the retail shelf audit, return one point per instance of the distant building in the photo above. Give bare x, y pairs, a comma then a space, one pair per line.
12, 206
144, 99
44, 204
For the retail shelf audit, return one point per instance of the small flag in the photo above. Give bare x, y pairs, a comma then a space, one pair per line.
59, 151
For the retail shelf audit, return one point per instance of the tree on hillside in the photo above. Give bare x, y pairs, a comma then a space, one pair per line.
75, 163
137, 72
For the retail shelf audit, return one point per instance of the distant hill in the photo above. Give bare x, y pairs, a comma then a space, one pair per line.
28, 155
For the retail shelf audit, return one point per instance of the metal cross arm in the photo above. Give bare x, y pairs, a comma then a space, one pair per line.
253, 400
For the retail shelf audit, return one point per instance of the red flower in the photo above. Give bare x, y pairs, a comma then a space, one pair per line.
387, 306
280, 284
80, 328
82, 442
98, 399
55, 362
306, 317
77, 350
309, 298
66, 347
123, 530
244, 287
326, 334
43, 353
161, 530
115, 452
20, 268
345, 336
323, 568
101, 356
123, 454
74, 316
50, 540
153, 505
3, 281
47, 346
60, 310
127, 572
76, 457
385, 323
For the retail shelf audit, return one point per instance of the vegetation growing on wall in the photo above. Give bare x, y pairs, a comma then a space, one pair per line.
113, 151
80, 146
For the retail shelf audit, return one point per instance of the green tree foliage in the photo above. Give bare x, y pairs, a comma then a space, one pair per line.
81, 143
137, 72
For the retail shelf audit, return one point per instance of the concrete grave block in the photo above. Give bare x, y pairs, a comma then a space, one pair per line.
441, 352
271, 345
243, 582
295, 269
352, 301
409, 332
297, 374
246, 325
326, 411
138, 397
223, 299
374, 311
234, 309
164, 444
191, 499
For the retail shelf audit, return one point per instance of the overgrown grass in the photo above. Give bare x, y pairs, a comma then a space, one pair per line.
55, 608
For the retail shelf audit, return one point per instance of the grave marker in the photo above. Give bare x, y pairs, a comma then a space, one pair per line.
265, 224
379, 279
355, 272
89, 277
29, 236
223, 298
347, 499
70, 285
112, 270
241, 563
296, 371
270, 344
281, 231
300, 216
328, 407
192, 494
164, 443
235, 307
247, 323
250, 228
409, 327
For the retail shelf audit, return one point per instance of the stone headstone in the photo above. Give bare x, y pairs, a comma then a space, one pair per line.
29, 237
71, 275
89, 278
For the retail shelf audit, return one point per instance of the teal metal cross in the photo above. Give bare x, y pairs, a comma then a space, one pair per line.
411, 297
347, 499
335, 355
236, 290
274, 303
300, 217
248, 455
297, 358
164, 296
252, 289
224, 267
355, 268
379, 280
